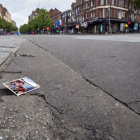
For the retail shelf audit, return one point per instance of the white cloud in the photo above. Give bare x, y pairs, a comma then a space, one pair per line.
20, 10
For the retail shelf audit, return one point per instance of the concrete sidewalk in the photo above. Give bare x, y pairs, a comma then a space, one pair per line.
8, 45
66, 107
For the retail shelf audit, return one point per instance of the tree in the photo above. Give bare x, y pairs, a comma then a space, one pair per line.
42, 21
136, 4
24, 28
7, 25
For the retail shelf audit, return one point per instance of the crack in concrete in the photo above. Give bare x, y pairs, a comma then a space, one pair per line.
24, 55
91, 83
136, 101
123, 103
61, 125
7, 47
44, 98
12, 72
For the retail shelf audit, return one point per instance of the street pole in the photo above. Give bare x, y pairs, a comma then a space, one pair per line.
110, 17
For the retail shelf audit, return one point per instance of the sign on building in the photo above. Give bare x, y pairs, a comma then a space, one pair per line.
136, 26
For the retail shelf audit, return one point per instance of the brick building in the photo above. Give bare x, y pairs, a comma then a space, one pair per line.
33, 14
1, 7
5, 14
66, 21
98, 13
55, 15
14, 23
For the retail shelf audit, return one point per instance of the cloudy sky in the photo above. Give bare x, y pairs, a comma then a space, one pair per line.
21, 9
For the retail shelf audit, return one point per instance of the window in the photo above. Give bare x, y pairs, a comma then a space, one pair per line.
92, 3
91, 15
100, 13
107, 2
121, 3
106, 13
116, 2
86, 5
113, 2
126, 4
121, 15
102, 2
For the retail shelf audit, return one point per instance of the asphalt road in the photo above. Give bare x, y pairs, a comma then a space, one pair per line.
109, 62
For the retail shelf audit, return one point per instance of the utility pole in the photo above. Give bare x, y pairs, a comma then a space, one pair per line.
109, 17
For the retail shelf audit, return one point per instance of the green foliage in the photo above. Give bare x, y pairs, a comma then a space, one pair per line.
7, 25
24, 28
136, 4
42, 21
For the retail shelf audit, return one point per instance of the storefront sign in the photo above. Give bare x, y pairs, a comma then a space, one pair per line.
58, 24
84, 24
47, 28
126, 25
122, 27
77, 26
136, 26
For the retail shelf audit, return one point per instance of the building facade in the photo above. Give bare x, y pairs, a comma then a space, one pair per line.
104, 16
14, 23
66, 21
55, 15
1, 7
33, 14
5, 14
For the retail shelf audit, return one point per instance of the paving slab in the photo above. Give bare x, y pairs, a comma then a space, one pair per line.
8, 45
3, 56
6, 49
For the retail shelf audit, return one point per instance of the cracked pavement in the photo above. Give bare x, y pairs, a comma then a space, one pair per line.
66, 107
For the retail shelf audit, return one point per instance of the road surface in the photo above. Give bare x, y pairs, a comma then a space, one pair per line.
109, 62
